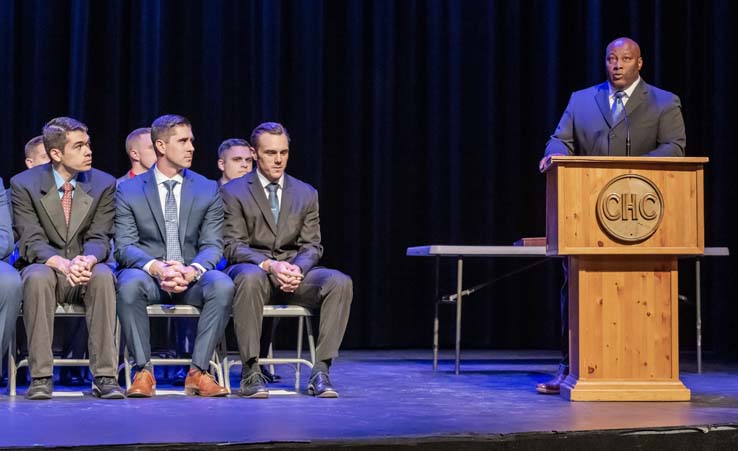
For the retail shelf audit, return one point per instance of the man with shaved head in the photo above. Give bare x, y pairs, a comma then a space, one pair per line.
624, 116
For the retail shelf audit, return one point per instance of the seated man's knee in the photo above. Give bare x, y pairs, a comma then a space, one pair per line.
250, 277
131, 287
39, 274
221, 287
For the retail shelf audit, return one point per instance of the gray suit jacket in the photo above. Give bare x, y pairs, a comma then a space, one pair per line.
251, 236
38, 217
586, 128
6, 225
140, 235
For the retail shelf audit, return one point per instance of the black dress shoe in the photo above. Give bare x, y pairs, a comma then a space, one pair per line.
320, 386
107, 388
269, 376
254, 386
41, 388
553, 387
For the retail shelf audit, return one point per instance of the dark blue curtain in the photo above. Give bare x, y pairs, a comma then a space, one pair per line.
419, 122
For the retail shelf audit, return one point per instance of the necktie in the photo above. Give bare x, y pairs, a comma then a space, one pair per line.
274, 200
617, 106
66, 200
171, 221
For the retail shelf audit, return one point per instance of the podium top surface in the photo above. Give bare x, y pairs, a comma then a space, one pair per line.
437, 250
585, 159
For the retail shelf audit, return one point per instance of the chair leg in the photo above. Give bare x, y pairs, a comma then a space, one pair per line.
311, 339
299, 352
127, 368
273, 333
12, 369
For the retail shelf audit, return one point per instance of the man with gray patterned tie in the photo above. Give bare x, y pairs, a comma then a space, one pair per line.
168, 241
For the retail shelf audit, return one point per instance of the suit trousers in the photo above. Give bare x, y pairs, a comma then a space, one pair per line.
43, 288
11, 291
327, 289
212, 294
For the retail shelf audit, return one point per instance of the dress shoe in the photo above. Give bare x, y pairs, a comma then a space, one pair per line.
41, 388
143, 386
254, 386
552, 387
320, 386
203, 383
107, 388
269, 376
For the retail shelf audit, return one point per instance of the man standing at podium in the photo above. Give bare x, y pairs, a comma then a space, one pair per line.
624, 116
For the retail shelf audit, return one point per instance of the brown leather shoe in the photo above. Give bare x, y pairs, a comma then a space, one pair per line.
552, 387
203, 384
143, 386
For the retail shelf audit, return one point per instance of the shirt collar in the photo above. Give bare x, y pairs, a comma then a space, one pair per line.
161, 178
628, 92
60, 181
265, 181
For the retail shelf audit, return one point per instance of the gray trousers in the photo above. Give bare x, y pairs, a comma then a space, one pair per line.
327, 289
11, 290
43, 288
212, 294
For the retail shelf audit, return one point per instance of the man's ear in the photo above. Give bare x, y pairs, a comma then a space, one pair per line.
135, 156
221, 165
159, 146
55, 155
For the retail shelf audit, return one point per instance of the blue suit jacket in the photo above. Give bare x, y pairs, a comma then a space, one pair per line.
6, 227
140, 235
586, 128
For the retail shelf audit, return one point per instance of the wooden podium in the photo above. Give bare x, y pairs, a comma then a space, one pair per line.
622, 222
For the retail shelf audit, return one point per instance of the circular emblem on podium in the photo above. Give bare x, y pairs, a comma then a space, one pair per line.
630, 208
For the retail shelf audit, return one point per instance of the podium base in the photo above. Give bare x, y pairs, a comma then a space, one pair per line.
623, 390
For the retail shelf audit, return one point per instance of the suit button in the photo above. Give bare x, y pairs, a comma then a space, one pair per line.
612, 135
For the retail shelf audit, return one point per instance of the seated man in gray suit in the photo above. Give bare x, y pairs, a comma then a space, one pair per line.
272, 235
10, 282
623, 116
168, 240
63, 217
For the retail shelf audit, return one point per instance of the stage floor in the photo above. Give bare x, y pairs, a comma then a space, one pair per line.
384, 394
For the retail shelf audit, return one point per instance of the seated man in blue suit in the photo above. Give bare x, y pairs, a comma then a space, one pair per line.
168, 240
10, 281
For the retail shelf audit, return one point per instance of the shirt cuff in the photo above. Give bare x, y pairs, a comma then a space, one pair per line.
200, 268
147, 266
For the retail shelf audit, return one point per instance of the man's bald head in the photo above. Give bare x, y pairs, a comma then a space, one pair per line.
623, 62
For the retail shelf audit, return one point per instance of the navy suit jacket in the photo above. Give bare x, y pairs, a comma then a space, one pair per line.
140, 235
38, 215
6, 225
251, 234
586, 128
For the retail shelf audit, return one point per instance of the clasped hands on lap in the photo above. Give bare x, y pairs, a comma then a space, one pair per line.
174, 277
77, 270
288, 275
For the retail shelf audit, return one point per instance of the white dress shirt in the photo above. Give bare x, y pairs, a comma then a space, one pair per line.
628, 92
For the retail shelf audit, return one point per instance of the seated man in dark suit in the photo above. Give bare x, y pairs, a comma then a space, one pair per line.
272, 235
11, 288
623, 116
63, 217
168, 240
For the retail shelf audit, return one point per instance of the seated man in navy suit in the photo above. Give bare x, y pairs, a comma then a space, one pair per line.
10, 282
168, 241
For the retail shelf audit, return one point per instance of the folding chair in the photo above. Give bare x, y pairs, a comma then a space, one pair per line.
62, 311
303, 316
174, 311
